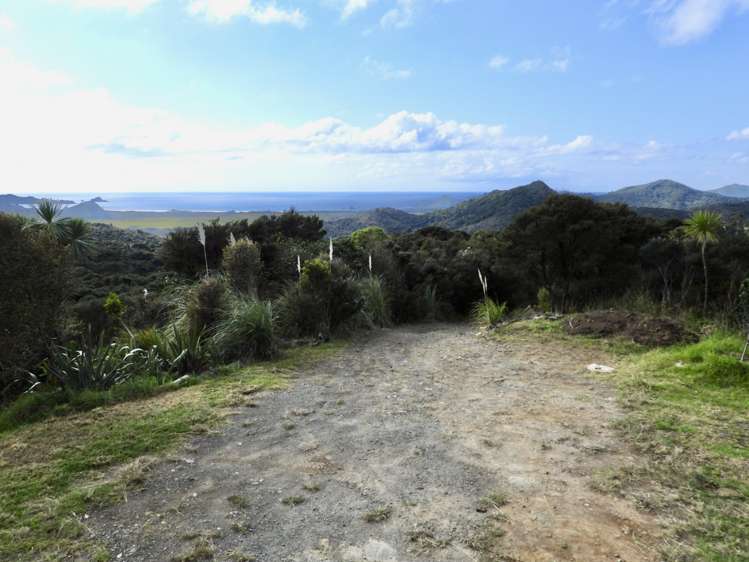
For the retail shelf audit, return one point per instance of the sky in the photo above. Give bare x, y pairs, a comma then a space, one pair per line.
371, 95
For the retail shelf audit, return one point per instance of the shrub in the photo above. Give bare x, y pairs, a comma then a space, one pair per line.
185, 350
246, 331
375, 302
543, 300
32, 277
300, 314
368, 237
203, 305
487, 312
148, 338
96, 366
242, 265
325, 299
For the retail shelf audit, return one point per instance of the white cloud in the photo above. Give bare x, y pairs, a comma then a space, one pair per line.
223, 11
57, 136
401, 16
384, 70
529, 65
684, 21
742, 134
498, 61
560, 60
353, 6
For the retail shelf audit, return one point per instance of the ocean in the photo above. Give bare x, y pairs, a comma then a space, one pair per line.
267, 201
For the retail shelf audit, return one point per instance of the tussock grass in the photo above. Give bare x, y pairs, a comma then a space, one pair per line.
488, 312
54, 471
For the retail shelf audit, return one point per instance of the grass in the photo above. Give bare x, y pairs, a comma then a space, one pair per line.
293, 500
689, 417
54, 471
488, 312
378, 515
239, 502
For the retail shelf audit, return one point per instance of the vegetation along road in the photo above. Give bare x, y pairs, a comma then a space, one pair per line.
429, 443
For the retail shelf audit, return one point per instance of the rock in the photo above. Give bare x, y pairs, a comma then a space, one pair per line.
596, 368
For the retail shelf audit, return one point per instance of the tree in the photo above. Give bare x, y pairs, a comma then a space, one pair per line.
49, 213
581, 251
33, 289
703, 227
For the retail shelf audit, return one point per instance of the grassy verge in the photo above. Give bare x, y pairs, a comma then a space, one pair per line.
53, 471
688, 417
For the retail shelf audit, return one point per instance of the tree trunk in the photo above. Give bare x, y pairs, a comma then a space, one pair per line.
704, 270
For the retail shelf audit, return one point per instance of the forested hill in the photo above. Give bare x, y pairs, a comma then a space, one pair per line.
492, 211
664, 194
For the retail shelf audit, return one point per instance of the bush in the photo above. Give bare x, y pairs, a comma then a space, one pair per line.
488, 313
32, 277
246, 332
543, 300
300, 314
242, 265
326, 298
185, 350
204, 305
375, 302
96, 366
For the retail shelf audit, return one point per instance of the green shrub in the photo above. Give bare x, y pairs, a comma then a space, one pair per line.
488, 313
543, 300
316, 278
375, 302
148, 338
246, 332
242, 265
368, 237
96, 366
185, 350
204, 305
300, 314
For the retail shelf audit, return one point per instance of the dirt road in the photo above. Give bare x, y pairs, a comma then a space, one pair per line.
419, 444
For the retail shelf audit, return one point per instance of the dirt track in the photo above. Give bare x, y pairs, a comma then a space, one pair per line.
477, 450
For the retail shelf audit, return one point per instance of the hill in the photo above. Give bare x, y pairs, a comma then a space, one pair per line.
664, 194
734, 190
391, 220
21, 205
492, 211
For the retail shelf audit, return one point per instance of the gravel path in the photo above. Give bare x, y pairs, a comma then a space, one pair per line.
418, 444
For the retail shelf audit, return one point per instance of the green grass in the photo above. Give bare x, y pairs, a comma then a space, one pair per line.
689, 417
54, 471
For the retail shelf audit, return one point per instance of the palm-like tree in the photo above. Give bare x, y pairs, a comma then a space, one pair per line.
51, 221
703, 227
76, 237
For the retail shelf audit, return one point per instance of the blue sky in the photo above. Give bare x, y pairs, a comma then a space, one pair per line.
160, 95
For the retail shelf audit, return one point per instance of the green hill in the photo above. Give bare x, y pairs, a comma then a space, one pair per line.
663, 194
734, 190
492, 211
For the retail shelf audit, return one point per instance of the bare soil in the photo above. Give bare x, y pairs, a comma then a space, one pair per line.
418, 444
651, 331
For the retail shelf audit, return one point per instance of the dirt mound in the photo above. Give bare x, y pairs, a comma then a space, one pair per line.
640, 328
